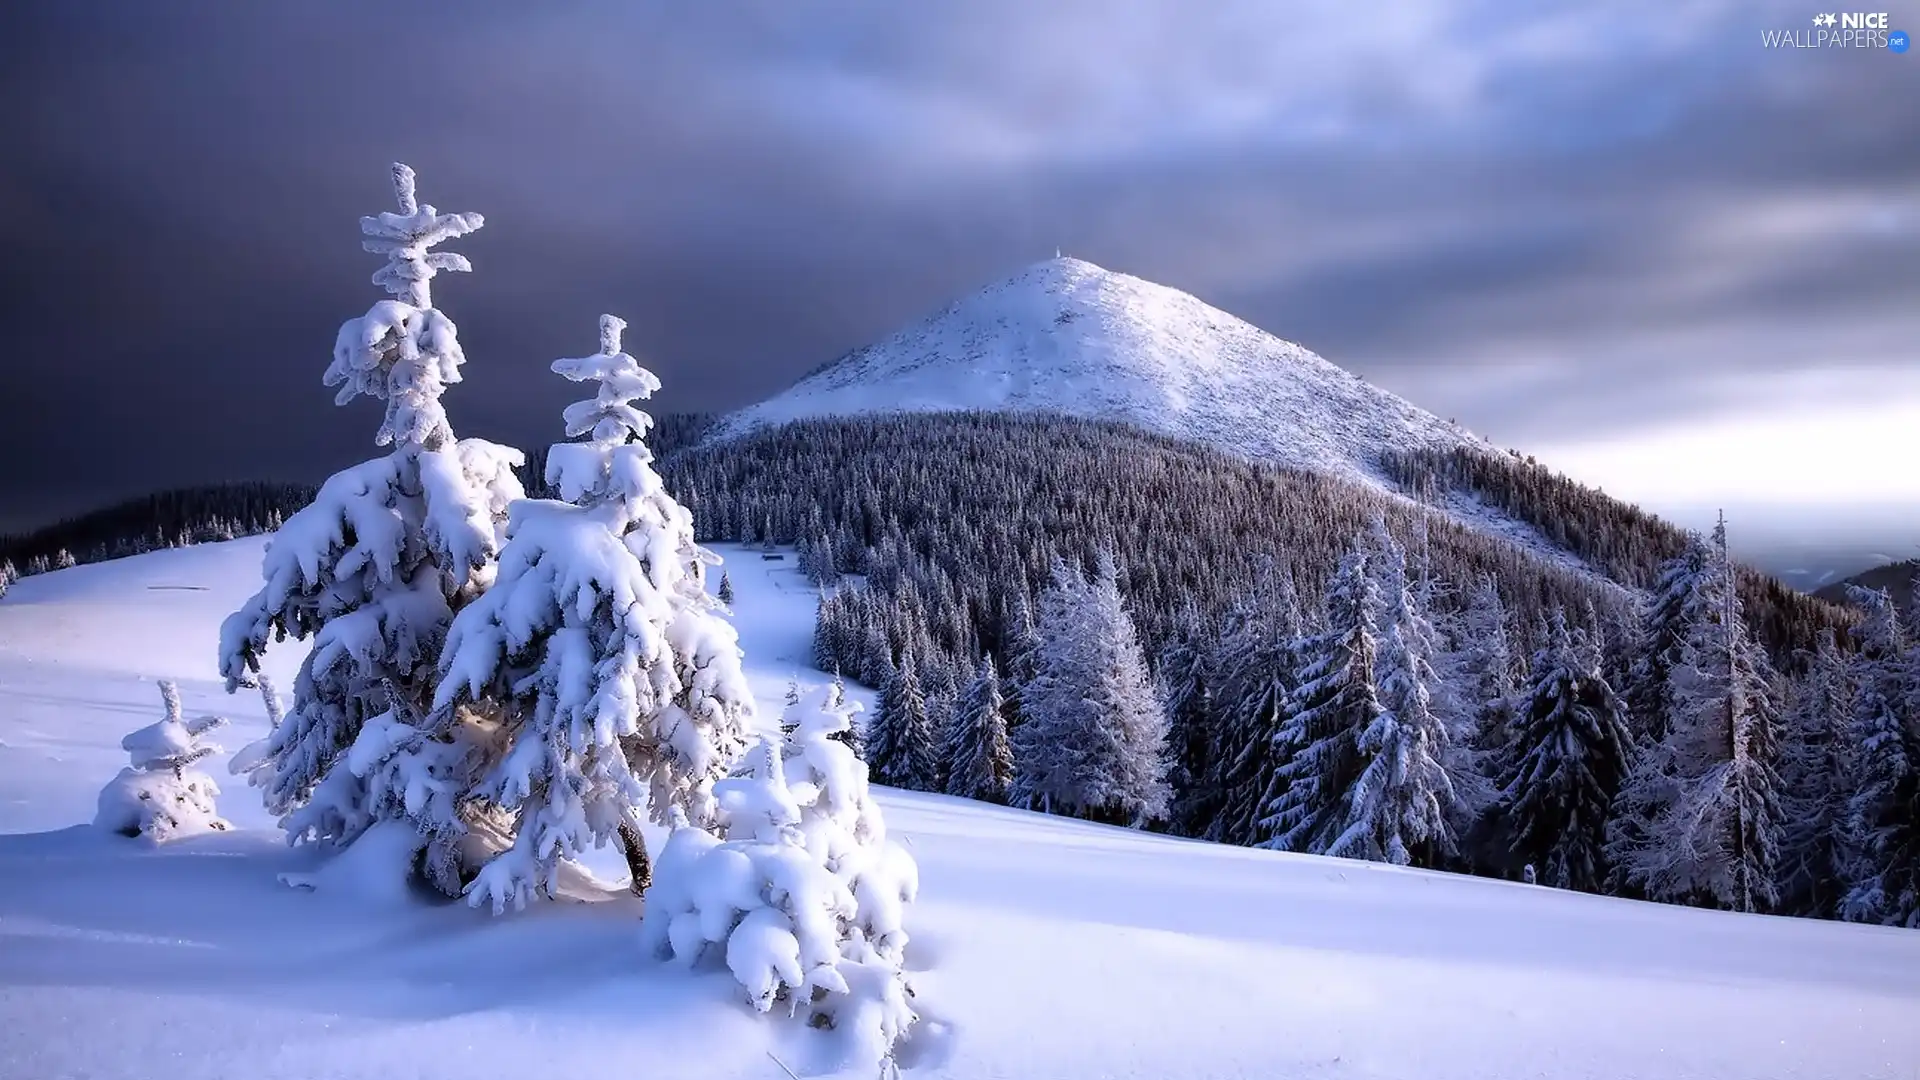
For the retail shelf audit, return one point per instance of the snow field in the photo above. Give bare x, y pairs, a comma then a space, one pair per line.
1041, 947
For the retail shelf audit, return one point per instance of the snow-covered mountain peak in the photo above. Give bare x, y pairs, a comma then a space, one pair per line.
1067, 336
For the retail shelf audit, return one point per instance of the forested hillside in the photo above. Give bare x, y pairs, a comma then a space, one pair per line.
1620, 540
163, 519
962, 513
1082, 617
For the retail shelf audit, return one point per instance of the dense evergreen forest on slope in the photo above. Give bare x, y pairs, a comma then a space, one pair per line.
960, 517
960, 514
1622, 541
1256, 655
163, 519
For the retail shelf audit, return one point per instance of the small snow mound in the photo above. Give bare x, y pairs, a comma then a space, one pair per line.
376, 869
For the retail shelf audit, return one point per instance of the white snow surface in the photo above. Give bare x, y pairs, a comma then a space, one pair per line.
1065, 336
1041, 947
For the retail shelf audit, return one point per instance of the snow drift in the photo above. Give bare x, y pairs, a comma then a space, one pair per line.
1042, 947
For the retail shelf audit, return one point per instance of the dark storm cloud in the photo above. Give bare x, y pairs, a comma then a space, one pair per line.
1606, 217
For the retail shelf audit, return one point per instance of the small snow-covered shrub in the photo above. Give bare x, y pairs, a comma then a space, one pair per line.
801, 892
160, 795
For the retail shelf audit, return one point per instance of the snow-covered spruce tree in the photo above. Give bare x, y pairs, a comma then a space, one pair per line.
1670, 608
1480, 667
981, 763
1255, 669
1185, 670
1705, 799
1816, 781
726, 589
1318, 744
1401, 807
1405, 806
801, 887
372, 572
8, 575
943, 704
1020, 646
901, 747
1883, 813
614, 678
829, 629
1483, 663
160, 795
1094, 743
1570, 751
1243, 783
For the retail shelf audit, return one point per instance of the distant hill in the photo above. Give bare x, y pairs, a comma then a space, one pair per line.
1896, 578
1067, 337
163, 519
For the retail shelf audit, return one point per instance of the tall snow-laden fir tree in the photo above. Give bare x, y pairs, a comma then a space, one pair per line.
1481, 665
1238, 789
1318, 744
614, 677
1570, 750
980, 760
1094, 743
726, 589
1405, 806
160, 795
1703, 803
1186, 670
373, 570
1020, 649
901, 748
1670, 608
1883, 813
1254, 666
1401, 807
1816, 781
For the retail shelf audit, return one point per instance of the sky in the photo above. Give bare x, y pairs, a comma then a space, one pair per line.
1625, 237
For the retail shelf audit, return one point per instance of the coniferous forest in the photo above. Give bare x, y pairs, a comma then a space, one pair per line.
1291, 660
1285, 659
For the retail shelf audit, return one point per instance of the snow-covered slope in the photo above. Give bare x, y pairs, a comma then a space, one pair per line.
1066, 336
1044, 947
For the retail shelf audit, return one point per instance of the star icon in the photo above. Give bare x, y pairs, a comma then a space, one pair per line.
1824, 20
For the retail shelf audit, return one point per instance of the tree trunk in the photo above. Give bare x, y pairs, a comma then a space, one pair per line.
638, 863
